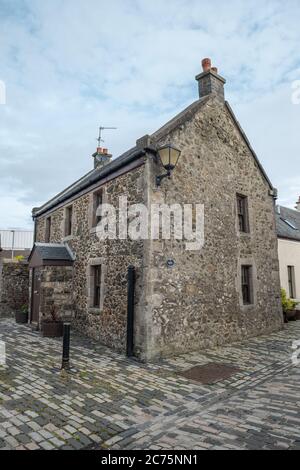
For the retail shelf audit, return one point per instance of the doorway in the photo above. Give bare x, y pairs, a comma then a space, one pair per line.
35, 305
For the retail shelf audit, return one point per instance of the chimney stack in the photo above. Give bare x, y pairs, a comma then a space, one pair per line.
210, 82
297, 207
101, 157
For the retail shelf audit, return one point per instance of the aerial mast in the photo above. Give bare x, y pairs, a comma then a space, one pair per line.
101, 129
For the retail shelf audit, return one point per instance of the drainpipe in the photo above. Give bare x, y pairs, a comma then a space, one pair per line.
130, 311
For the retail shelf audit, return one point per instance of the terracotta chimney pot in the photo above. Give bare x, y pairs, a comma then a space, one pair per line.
206, 64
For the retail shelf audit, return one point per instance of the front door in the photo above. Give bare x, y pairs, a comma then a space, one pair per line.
36, 280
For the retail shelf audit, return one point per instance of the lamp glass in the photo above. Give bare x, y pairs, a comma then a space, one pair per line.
169, 156
174, 156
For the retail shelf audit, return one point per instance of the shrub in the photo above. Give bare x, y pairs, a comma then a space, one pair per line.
287, 303
19, 258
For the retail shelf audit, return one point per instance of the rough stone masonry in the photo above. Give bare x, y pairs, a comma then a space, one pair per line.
14, 286
197, 301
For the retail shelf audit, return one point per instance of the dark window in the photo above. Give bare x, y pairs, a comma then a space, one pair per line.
97, 285
69, 219
247, 285
291, 279
48, 230
98, 199
242, 207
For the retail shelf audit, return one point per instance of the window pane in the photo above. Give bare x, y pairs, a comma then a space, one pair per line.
247, 284
97, 285
69, 215
98, 200
48, 230
242, 209
291, 280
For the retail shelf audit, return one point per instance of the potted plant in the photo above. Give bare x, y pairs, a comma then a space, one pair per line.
52, 327
297, 317
21, 314
288, 307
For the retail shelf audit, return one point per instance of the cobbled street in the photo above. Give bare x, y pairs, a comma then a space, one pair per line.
110, 402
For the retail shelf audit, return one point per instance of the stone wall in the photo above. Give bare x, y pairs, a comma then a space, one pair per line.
56, 292
14, 286
197, 303
107, 324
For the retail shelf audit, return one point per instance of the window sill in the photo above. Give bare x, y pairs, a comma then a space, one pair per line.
244, 234
68, 238
247, 307
95, 311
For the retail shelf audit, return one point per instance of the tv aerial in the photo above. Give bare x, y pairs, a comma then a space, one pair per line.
101, 129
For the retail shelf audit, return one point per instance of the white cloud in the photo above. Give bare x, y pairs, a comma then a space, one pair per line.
71, 66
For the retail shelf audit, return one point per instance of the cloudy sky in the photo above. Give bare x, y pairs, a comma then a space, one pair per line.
72, 65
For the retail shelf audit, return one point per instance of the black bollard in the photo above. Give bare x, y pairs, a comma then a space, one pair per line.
66, 347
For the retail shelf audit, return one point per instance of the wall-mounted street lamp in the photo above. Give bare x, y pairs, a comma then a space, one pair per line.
169, 157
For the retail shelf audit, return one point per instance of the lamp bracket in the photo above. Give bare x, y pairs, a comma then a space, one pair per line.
161, 177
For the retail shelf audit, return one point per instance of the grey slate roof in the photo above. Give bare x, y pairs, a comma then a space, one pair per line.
136, 152
286, 216
90, 178
53, 251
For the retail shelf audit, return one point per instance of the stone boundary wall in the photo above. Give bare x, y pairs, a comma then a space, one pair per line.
14, 286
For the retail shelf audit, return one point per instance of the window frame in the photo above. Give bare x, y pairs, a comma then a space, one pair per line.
96, 203
292, 281
97, 284
93, 282
248, 270
243, 213
69, 221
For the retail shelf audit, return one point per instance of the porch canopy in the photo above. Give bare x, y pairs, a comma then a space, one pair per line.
50, 254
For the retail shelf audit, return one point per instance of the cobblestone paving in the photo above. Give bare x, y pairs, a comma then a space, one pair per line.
108, 401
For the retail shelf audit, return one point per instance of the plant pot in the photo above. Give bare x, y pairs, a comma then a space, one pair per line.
52, 329
291, 315
21, 317
297, 317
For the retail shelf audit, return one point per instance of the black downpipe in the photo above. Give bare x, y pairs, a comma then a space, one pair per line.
130, 311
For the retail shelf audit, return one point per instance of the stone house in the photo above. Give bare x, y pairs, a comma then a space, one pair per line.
184, 299
288, 231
